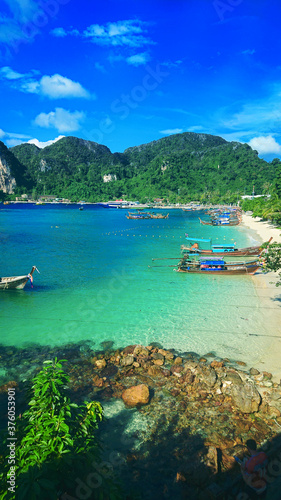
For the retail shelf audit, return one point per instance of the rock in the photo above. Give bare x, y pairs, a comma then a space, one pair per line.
188, 377
207, 375
203, 360
177, 369
154, 371
127, 360
266, 383
136, 395
267, 375
158, 355
217, 364
100, 363
190, 365
158, 362
140, 350
97, 381
273, 412
245, 397
241, 363
109, 371
253, 371
136, 364
178, 361
128, 350
233, 377
169, 355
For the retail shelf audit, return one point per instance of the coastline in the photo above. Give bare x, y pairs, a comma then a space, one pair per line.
270, 297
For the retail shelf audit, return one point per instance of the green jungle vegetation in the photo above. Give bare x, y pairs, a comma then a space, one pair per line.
57, 448
177, 168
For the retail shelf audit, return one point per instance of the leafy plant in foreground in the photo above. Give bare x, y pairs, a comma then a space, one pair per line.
56, 443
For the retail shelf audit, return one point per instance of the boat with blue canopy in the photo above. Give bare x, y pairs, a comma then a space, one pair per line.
217, 266
196, 246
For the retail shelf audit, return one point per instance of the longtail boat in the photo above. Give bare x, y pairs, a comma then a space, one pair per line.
222, 222
146, 215
220, 250
16, 282
217, 266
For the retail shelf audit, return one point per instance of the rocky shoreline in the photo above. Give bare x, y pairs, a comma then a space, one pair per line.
198, 413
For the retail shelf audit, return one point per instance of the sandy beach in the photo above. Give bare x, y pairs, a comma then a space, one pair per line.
270, 296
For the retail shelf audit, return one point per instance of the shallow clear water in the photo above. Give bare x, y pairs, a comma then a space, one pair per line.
95, 283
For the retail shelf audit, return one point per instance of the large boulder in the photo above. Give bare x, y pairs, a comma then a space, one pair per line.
136, 395
245, 397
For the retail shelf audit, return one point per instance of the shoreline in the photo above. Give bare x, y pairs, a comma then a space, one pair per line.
270, 296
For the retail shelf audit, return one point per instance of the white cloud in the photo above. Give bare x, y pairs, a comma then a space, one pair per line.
2, 133
59, 32
42, 145
265, 145
58, 86
138, 59
10, 74
53, 87
122, 33
172, 131
61, 119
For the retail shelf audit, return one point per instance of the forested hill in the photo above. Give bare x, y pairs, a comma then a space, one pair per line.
181, 166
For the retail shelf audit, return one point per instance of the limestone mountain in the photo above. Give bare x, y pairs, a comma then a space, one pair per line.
11, 171
186, 166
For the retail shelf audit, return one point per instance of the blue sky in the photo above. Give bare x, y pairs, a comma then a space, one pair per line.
123, 73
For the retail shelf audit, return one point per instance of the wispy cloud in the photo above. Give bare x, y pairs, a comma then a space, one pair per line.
61, 119
171, 131
53, 87
130, 33
13, 138
138, 59
249, 52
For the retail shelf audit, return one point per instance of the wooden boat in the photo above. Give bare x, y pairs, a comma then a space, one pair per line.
146, 215
159, 216
217, 266
16, 282
220, 250
222, 222
143, 215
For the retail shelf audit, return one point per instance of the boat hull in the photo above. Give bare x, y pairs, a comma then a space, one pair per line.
243, 252
16, 282
233, 271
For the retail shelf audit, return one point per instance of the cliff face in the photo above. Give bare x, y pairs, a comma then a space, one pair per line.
7, 181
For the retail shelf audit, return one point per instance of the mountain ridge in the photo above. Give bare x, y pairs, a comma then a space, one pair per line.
180, 165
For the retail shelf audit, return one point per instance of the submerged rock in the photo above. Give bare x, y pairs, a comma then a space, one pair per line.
136, 395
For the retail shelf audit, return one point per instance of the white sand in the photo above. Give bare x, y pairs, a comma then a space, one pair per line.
270, 296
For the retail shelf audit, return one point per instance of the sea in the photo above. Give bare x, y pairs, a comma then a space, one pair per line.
108, 280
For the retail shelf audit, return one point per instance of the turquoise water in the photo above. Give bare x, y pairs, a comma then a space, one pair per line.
95, 283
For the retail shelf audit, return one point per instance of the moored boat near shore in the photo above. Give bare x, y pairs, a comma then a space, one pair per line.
16, 282
220, 250
217, 266
222, 221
